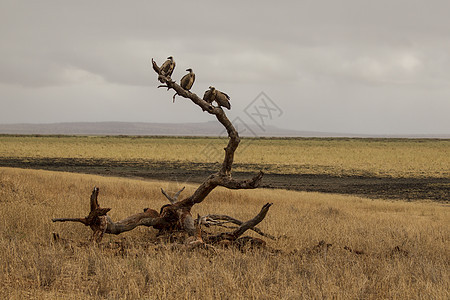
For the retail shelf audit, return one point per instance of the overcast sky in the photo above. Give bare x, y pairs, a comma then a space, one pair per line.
376, 67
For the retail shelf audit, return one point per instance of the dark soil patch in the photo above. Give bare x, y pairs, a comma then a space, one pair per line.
437, 189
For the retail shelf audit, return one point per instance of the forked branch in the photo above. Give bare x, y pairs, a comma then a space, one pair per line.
242, 228
221, 220
100, 223
174, 198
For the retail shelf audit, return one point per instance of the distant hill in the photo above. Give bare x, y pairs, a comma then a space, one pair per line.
211, 128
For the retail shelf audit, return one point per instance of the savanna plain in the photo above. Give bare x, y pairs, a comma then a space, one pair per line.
378, 248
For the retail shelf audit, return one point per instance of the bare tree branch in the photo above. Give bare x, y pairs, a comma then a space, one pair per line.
173, 199
242, 228
214, 220
80, 220
230, 183
100, 223
252, 222
95, 212
149, 218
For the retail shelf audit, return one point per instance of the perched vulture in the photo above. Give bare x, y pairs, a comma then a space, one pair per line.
220, 97
223, 99
167, 67
188, 80
210, 95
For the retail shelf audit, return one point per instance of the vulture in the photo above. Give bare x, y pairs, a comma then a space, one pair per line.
210, 95
220, 97
167, 67
188, 80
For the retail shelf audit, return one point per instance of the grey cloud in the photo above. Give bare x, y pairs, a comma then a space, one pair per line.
115, 41
292, 49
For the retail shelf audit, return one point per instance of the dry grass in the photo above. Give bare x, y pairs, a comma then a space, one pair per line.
131, 266
374, 157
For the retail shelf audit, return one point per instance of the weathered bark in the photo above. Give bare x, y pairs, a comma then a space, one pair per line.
175, 196
221, 220
100, 223
81, 220
242, 228
96, 219
177, 214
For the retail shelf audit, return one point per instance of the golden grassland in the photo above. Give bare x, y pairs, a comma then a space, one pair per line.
373, 157
132, 266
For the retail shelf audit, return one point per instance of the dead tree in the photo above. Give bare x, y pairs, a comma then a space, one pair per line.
177, 216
